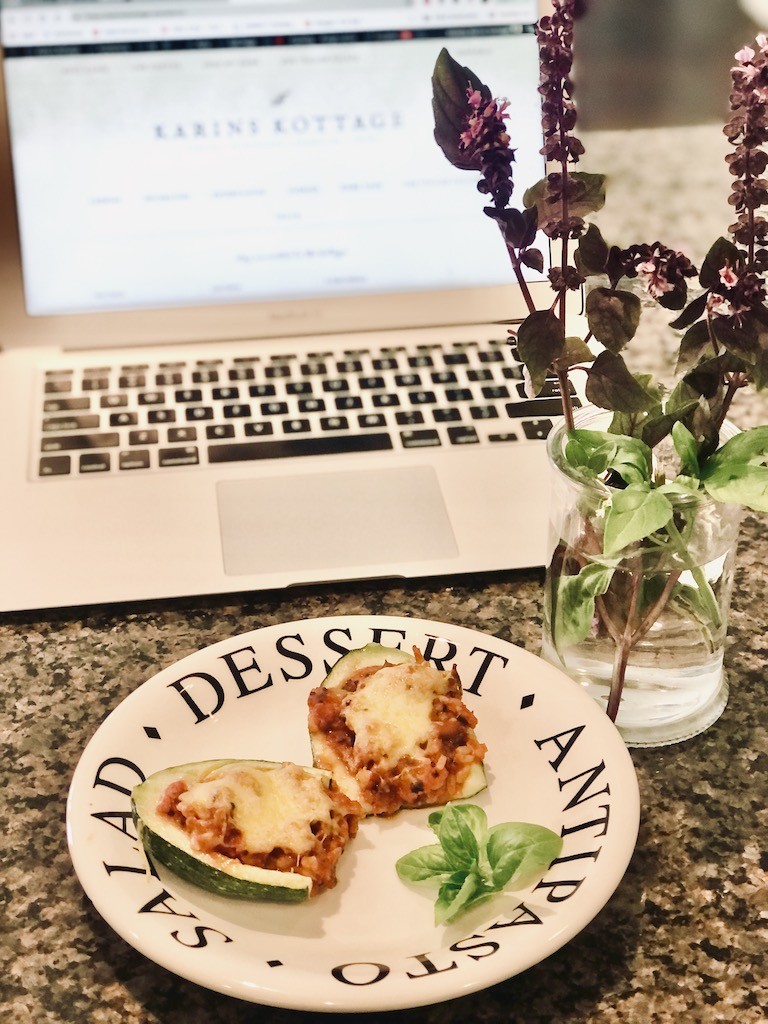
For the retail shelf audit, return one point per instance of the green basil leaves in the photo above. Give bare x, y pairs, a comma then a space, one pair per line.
472, 861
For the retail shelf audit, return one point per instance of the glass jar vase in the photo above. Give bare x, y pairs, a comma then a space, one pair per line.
643, 631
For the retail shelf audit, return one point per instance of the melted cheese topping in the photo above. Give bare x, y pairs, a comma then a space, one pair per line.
391, 711
270, 807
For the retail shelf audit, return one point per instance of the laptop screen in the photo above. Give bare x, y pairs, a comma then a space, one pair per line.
196, 152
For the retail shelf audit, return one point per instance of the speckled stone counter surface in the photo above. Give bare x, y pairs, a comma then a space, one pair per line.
683, 937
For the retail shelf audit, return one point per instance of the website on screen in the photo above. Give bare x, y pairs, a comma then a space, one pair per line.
237, 152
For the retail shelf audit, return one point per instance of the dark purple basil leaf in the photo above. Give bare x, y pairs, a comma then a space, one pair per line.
540, 342
451, 108
739, 337
518, 226
674, 299
706, 379
656, 428
691, 313
586, 195
533, 258
610, 385
591, 254
613, 316
694, 346
723, 251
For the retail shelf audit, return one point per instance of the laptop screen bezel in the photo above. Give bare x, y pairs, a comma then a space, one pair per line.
231, 321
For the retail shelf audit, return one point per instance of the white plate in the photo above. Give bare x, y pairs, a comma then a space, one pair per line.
370, 943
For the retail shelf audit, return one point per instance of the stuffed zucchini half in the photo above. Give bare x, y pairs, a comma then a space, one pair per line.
395, 732
255, 830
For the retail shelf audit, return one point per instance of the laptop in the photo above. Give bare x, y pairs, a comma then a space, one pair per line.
254, 326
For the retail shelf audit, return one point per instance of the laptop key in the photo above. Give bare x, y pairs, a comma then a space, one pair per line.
484, 412
422, 397
536, 430
458, 395
258, 429
198, 412
73, 441
334, 423
503, 437
420, 438
385, 399
296, 426
409, 417
71, 422
237, 411
408, 380
67, 404
446, 415
187, 456
55, 465
371, 419
57, 387
218, 431
311, 405
346, 402
183, 434
480, 375
142, 437
188, 395
134, 460
123, 419
495, 391
152, 398
94, 462
331, 444
161, 416
534, 407
274, 408
463, 435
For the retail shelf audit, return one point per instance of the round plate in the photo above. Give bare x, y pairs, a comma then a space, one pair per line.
370, 943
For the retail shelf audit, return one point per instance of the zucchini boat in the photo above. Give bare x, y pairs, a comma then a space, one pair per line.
395, 732
255, 830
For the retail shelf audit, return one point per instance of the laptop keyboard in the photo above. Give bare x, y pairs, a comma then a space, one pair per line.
167, 415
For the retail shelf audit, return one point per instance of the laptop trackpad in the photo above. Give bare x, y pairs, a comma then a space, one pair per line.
333, 520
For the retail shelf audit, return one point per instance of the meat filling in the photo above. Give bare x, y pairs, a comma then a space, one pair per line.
211, 830
433, 774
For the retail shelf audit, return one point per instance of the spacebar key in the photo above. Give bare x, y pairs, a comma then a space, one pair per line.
248, 450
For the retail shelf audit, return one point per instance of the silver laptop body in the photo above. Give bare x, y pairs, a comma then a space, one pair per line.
251, 319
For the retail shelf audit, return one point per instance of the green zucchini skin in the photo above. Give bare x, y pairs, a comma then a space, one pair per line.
168, 845
363, 657
371, 656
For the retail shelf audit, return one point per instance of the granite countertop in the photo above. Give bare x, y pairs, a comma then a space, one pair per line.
683, 936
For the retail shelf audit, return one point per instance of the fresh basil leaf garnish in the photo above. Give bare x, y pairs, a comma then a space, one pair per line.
519, 853
470, 871
424, 863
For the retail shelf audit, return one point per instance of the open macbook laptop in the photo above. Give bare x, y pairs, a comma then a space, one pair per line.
250, 317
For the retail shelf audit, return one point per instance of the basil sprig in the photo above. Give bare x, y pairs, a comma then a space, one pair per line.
472, 862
